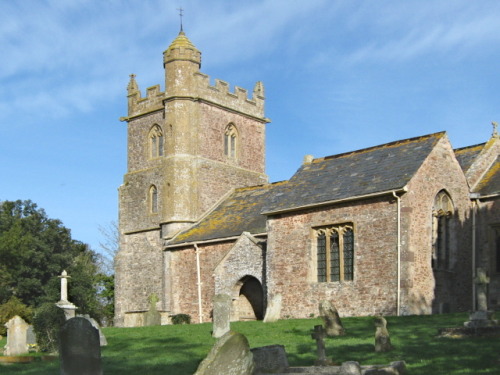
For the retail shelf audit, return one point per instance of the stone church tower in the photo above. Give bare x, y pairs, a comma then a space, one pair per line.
188, 147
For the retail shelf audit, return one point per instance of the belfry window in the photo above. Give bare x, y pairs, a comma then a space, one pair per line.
442, 231
155, 142
153, 199
335, 253
230, 141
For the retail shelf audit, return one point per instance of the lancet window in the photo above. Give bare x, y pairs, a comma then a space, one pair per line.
230, 141
442, 231
153, 199
335, 253
156, 142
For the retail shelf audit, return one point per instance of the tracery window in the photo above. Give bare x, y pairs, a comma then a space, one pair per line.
442, 231
335, 253
156, 142
230, 141
153, 199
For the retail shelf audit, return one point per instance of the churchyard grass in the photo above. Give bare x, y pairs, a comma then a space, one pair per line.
178, 349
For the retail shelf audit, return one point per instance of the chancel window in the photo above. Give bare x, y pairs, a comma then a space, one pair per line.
442, 231
153, 198
156, 142
335, 253
230, 141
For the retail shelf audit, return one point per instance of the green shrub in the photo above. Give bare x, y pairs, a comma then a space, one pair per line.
11, 308
181, 319
47, 323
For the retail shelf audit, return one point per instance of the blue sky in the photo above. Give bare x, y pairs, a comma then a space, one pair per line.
338, 76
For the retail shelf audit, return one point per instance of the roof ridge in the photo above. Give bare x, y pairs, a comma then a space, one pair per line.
390, 144
460, 149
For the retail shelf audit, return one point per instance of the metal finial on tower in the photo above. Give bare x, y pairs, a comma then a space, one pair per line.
180, 15
495, 132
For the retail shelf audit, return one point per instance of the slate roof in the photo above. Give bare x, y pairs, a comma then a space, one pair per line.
490, 183
467, 155
240, 212
359, 173
354, 174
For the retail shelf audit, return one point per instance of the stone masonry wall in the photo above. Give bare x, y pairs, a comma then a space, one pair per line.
138, 273
423, 288
185, 283
291, 260
488, 227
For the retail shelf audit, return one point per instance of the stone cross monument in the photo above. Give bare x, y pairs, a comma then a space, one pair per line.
482, 317
68, 307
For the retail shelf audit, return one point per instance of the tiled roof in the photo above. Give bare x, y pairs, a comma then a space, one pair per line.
240, 212
467, 155
359, 173
490, 183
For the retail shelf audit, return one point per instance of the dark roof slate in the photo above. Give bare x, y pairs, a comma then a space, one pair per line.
377, 169
490, 183
354, 174
467, 155
240, 212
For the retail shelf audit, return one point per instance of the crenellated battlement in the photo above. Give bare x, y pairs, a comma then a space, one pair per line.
219, 94
184, 81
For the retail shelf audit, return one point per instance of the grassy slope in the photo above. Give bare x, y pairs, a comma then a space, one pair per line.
179, 349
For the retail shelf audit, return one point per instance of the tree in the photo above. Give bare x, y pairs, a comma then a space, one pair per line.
34, 250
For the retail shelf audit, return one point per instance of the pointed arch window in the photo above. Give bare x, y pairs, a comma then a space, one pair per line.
156, 142
153, 199
230, 141
442, 213
335, 253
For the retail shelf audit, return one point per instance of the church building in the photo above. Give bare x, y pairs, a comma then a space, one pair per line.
394, 229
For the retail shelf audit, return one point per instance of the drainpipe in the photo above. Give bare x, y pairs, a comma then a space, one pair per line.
198, 275
398, 301
474, 208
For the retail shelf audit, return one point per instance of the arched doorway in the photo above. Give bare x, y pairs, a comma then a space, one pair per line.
248, 300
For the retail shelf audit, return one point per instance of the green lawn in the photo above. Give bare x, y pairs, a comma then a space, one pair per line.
178, 349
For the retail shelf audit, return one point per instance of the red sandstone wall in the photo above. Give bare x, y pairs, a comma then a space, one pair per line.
291, 268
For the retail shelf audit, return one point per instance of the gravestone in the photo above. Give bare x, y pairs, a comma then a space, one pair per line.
273, 311
319, 334
270, 359
79, 348
152, 317
350, 368
102, 338
382, 339
17, 330
482, 317
221, 315
331, 319
30, 336
230, 355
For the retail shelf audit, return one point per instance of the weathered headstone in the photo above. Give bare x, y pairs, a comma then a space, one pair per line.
273, 311
230, 355
221, 315
64, 304
382, 339
102, 338
482, 317
350, 368
331, 319
79, 348
152, 317
17, 330
319, 334
270, 359
30, 336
